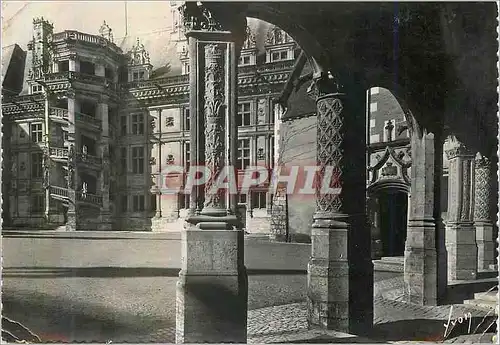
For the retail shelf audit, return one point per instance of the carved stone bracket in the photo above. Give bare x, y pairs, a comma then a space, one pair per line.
198, 17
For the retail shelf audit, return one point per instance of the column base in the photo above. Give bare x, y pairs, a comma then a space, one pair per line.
485, 245
211, 308
212, 290
462, 251
328, 274
71, 222
420, 263
105, 223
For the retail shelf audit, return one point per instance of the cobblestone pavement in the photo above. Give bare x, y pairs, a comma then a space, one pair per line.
394, 322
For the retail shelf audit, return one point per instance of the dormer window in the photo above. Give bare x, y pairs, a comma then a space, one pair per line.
36, 89
244, 60
279, 55
185, 67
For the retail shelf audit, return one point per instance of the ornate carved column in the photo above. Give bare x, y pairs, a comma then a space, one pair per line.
483, 202
425, 261
105, 216
340, 271
159, 163
460, 234
212, 287
46, 155
71, 170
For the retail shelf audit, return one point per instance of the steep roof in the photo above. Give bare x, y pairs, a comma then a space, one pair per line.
294, 96
13, 69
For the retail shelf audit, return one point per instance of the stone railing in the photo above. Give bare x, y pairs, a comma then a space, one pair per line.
90, 198
86, 158
80, 77
268, 67
174, 80
60, 113
59, 191
88, 119
87, 38
59, 152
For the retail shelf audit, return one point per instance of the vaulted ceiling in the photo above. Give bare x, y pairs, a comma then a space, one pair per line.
440, 58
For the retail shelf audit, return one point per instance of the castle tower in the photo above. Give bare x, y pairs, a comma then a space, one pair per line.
139, 64
40, 48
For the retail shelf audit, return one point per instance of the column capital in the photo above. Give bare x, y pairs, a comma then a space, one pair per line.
482, 161
324, 83
103, 99
70, 93
198, 17
459, 150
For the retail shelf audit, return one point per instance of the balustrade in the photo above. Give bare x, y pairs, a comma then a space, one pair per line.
59, 113
83, 37
88, 119
59, 191
90, 198
59, 152
86, 158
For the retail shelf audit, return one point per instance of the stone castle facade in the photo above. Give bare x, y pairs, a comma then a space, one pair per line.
88, 128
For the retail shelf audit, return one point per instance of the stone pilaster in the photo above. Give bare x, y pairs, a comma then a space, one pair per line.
483, 222
212, 288
374, 214
340, 271
71, 169
105, 216
460, 234
424, 251
74, 63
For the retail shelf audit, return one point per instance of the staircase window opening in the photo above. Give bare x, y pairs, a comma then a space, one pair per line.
138, 160
138, 203
36, 165
36, 132
137, 124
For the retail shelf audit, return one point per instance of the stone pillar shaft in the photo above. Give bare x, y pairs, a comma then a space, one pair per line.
483, 202
460, 234
340, 271
71, 171
105, 221
212, 288
424, 232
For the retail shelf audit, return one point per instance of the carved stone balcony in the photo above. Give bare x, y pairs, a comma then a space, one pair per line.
71, 35
58, 114
87, 119
59, 154
59, 193
90, 199
89, 160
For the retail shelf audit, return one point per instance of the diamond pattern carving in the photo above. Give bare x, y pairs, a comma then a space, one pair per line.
483, 193
329, 150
